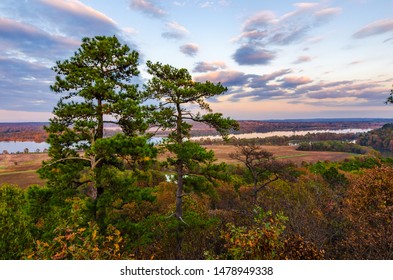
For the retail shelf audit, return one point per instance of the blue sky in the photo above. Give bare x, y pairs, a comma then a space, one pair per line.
279, 59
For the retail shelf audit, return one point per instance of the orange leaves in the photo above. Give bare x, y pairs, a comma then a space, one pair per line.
82, 244
368, 208
261, 240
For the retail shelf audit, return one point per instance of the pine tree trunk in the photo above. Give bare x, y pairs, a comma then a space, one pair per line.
179, 192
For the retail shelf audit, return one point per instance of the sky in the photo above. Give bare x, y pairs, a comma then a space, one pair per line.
279, 59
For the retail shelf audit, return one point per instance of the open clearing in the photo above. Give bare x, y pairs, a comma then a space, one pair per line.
19, 169
287, 153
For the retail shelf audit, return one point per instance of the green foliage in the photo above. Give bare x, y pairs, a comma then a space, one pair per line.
333, 146
160, 237
135, 151
359, 163
15, 234
380, 139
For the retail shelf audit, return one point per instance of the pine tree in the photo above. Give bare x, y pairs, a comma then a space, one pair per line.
96, 87
179, 97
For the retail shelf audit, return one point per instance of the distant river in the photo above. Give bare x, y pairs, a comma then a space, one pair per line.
286, 133
17, 146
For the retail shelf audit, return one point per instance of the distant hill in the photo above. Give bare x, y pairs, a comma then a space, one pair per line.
380, 139
29, 131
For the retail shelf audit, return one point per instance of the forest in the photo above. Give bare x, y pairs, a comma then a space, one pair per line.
124, 197
380, 139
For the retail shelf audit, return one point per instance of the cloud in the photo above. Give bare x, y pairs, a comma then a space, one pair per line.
375, 28
212, 4
202, 67
260, 20
148, 8
261, 81
302, 59
251, 55
71, 19
189, 49
228, 78
24, 40
324, 15
265, 30
175, 31
22, 83
343, 93
277, 85
294, 81
292, 26
77, 19
266, 93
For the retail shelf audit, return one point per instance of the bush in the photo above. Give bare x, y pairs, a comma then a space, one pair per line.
15, 236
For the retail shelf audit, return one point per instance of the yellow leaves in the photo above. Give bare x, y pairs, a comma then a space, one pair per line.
82, 243
109, 238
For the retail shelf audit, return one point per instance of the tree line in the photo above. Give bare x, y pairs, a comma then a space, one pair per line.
380, 139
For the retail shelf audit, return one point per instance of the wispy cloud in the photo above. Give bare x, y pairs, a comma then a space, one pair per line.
77, 19
265, 29
261, 81
294, 81
175, 31
213, 3
22, 83
203, 67
228, 78
303, 59
148, 7
375, 28
25, 40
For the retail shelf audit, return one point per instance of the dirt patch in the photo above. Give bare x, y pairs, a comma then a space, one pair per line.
23, 180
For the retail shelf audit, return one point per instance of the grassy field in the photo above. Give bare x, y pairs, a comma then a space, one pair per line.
287, 153
20, 169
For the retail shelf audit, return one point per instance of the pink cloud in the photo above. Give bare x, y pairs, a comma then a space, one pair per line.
375, 28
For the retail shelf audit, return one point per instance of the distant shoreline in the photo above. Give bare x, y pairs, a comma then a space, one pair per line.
34, 131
